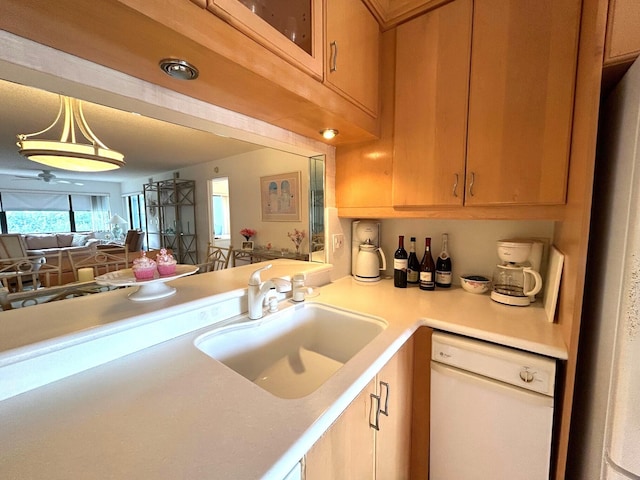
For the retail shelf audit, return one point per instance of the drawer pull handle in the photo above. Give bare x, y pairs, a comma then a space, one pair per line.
376, 424
385, 410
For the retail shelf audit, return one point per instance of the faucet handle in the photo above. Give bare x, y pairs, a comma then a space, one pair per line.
255, 276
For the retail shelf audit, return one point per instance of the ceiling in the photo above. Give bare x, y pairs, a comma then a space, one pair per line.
149, 146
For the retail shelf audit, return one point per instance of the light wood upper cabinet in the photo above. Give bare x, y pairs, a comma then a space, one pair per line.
335, 41
509, 145
523, 69
623, 35
432, 86
292, 30
351, 448
352, 52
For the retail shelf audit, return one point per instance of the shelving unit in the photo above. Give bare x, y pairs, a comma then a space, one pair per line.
170, 217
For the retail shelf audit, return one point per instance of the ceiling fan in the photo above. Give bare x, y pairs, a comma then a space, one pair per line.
47, 177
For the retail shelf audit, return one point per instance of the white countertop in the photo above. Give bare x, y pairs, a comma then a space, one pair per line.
169, 411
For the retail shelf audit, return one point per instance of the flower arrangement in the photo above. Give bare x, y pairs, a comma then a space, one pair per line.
296, 237
248, 233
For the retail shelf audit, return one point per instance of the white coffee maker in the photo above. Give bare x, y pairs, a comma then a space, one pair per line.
367, 259
516, 280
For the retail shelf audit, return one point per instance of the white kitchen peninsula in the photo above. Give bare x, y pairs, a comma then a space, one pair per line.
170, 411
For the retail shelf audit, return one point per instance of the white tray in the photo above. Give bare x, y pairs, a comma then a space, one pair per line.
151, 289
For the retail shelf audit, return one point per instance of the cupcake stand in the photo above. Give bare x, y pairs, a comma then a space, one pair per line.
151, 289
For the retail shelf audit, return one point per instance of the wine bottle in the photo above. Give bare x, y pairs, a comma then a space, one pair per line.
413, 265
400, 260
443, 265
427, 268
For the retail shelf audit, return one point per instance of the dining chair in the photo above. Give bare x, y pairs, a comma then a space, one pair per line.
12, 245
101, 261
30, 272
217, 258
134, 240
241, 256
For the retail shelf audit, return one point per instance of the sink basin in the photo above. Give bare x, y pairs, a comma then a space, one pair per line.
292, 352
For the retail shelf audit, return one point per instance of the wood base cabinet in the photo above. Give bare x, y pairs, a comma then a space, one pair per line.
484, 103
365, 442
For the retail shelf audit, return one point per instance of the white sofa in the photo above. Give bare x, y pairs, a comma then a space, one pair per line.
51, 243
48, 241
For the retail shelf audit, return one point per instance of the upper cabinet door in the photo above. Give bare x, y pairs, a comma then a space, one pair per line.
523, 71
352, 52
432, 81
623, 35
292, 30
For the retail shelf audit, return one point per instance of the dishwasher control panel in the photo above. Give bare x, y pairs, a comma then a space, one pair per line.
509, 365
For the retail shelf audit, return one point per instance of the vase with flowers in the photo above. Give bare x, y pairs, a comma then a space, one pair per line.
247, 233
297, 236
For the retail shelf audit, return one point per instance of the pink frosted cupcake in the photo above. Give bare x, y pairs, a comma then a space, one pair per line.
144, 268
166, 263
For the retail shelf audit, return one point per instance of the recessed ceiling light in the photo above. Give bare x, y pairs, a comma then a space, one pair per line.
329, 133
180, 69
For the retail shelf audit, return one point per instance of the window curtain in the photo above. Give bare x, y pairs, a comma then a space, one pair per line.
47, 202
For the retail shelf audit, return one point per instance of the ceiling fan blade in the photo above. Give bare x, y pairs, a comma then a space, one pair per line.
25, 177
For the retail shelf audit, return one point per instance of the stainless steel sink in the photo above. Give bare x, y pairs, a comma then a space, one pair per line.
292, 352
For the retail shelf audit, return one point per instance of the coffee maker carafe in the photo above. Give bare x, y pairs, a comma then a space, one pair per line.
515, 282
367, 259
368, 266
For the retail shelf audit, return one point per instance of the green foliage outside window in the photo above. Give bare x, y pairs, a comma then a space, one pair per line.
38, 222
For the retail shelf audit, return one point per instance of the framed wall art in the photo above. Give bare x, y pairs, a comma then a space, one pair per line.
280, 197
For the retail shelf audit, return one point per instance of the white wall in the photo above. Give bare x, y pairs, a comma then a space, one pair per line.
244, 172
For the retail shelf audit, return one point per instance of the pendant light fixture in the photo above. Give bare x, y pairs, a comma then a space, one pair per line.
67, 153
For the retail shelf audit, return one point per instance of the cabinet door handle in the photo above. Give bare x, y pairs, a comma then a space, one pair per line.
334, 56
376, 424
385, 410
455, 185
473, 179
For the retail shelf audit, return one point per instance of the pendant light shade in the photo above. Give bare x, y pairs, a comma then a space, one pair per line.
67, 153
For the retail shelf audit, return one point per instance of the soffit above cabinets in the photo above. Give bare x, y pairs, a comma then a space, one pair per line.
390, 13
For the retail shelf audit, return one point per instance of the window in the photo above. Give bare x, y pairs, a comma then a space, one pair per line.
135, 211
36, 212
90, 212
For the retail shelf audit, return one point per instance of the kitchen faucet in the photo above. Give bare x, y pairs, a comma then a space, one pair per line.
258, 290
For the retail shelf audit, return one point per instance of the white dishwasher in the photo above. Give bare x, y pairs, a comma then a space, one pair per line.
491, 411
